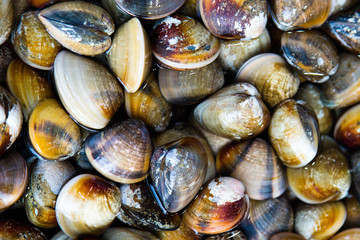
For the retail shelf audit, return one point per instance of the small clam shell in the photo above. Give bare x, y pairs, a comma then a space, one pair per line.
189, 87
7, 55
82, 27
353, 233
122, 152
178, 171
47, 178
149, 105
183, 43
294, 133
343, 89
62, 236
352, 206
341, 5
234, 19
319, 221
219, 207
88, 91
267, 217
130, 55
14, 179
269, 73
182, 233
29, 85
355, 169
33, 43
294, 14
115, 11
235, 112
311, 53
286, 236
14, 230
347, 128
6, 19
255, 164
42, 3
52, 133
232, 235
118, 233
190, 8
87, 205
19, 7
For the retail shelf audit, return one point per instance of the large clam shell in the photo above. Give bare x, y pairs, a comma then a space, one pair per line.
235, 112
82, 27
353, 233
87, 90
121, 233
286, 236
14, 230
183, 43
33, 43
52, 133
6, 19
122, 152
130, 55
87, 205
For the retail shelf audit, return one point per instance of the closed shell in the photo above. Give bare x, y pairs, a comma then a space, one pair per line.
11, 229
6, 19
348, 126
118, 233
353, 233
287, 236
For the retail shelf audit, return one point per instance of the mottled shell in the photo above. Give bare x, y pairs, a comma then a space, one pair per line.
122, 152
183, 43
319, 221
255, 164
53, 135
311, 53
189, 87
219, 207
87, 205
353, 233
33, 43
355, 170
347, 128
7, 55
140, 209
29, 85
182, 233
6, 19
13, 230
343, 88
47, 178
130, 55
294, 133
270, 74
82, 27
149, 105
87, 90
118, 233
267, 217
14, 179
294, 14
286, 236
232, 235
235, 112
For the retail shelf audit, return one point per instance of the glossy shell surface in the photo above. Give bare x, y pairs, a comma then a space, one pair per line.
347, 128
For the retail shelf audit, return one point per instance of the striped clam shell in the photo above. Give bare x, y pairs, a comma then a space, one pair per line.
11, 229
353, 233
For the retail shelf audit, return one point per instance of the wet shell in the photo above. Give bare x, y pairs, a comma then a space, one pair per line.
47, 178
115, 11
150, 9
235, 112
341, 5
190, 8
178, 171
348, 234
117, 233
343, 89
233, 235
7, 55
182, 43
234, 19
122, 152
29, 85
13, 230
355, 168
14, 179
319, 221
267, 217
130, 55
62, 236
255, 164
294, 14
311, 53
6, 19
182, 233
294, 133
82, 27
53, 135
33, 43
286, 236
42, 3
87, 205
19, 7
219, 207
88, 91
149, 105
352, 206
269, 73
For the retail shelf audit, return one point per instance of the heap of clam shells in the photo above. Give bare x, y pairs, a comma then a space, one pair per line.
180, 119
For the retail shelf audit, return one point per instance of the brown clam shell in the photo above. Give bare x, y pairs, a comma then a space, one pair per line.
42, 3
6, 19
355, 169
353, 233
352, 206
14, 230
121, 233
182, 233
347, 128
7, 55
286, 236
19, 7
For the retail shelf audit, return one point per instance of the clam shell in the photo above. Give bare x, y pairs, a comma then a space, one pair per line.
294, 133
82, 27
130, 55
29, 85
33, 43
235, 112
87, 205
19, 7
42, 3
347, 128
190, 8
352, 206
189, 87
62, 236
6, 19
182, 233
53, 135
122, 152
255, 164
118, 233
348, 234
183, 43
232, 235
355, 170
269, 73
7, 55
88, 91
234, 19
14, 230
286, 236
115, 11
219, 207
